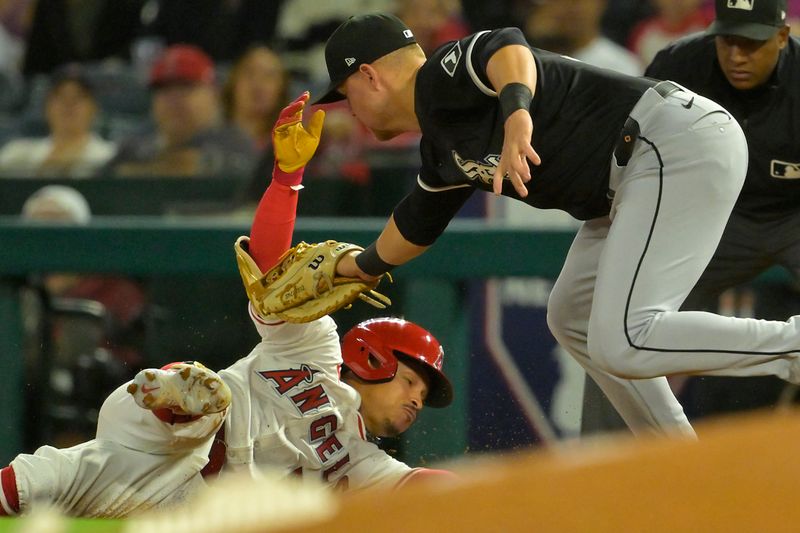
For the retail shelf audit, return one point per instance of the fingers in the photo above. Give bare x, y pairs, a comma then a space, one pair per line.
315, 124
531, 154
294, 111
497, 180
517, 171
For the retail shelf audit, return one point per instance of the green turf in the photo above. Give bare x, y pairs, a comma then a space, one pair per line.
77, 525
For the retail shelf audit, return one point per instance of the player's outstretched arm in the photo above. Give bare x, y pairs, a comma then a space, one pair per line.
512, 72
294, 146
390, 250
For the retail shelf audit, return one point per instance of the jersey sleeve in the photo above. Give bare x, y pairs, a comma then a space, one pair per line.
486, 44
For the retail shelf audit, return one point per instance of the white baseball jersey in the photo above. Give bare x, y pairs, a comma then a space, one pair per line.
289, 413
135, 463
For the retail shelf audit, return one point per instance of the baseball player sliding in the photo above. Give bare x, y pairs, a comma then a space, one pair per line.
298, 404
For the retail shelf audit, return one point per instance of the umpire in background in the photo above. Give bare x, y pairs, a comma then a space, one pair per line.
747, 62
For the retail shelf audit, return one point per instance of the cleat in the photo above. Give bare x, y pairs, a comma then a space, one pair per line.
184, 388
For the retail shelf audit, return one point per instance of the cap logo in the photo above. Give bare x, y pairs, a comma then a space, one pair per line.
407, 34
785, 170
349, 60
746, 5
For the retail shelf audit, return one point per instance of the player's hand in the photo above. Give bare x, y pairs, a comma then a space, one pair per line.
347, 267
294, 145
517, 151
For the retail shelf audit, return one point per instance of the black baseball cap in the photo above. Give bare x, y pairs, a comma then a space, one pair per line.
361, 39
753, 19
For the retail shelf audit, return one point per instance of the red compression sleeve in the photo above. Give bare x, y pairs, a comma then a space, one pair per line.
273, 225
9, 501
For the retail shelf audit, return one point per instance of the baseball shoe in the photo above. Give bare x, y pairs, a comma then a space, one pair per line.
183, 388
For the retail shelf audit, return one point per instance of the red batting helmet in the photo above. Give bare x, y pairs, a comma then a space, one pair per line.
371, 350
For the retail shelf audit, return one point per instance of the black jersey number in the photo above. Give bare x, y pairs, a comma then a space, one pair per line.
316, 262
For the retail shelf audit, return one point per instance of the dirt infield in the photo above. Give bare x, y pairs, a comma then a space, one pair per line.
742, 475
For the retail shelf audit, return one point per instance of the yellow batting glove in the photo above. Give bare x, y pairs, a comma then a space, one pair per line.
294, 145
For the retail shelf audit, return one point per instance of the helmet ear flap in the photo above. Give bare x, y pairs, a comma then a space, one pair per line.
371, 350
366, 355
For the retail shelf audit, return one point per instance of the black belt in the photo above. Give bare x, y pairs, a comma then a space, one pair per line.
630, 131
666, 88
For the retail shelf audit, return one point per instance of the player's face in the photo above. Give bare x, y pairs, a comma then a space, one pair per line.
391, 407
368, 105
747, 63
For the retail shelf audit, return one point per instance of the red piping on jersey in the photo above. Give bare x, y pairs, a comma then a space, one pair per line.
8, 481
260, 320
361, 426
216, 456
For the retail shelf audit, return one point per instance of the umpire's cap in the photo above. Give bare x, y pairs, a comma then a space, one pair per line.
754, 19
361, 39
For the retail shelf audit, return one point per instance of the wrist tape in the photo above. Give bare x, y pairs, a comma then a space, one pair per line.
371, 263
514, 96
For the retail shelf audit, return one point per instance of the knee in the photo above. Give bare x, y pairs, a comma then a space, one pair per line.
559, 319
617, 355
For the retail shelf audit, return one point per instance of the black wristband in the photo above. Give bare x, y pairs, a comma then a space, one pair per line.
371, 263
514, 96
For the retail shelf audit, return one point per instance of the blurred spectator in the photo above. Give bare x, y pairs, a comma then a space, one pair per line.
342, 150
673, 20
122, 298
15, 17
84, 329
72, 149
305, 25
572, 27
57, 203
190, 138
434, 22
793, 19
65, 31
224, 29
483, 15
621, 16
256, 90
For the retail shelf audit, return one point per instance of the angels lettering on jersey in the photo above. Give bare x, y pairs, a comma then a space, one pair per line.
296, 385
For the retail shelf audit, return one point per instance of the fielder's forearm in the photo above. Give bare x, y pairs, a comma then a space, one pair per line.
388, 251
512, 64
394, 248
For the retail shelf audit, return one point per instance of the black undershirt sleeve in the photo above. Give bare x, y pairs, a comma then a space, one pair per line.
423, 215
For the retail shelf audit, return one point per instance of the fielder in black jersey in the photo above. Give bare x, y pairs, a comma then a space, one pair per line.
654, 170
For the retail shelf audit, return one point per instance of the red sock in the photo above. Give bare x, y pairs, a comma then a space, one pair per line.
273, 225
9, 499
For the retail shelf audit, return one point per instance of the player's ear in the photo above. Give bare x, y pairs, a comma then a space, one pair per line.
371, 74
783, 37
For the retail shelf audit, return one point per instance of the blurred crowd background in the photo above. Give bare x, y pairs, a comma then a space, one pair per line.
181, 96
